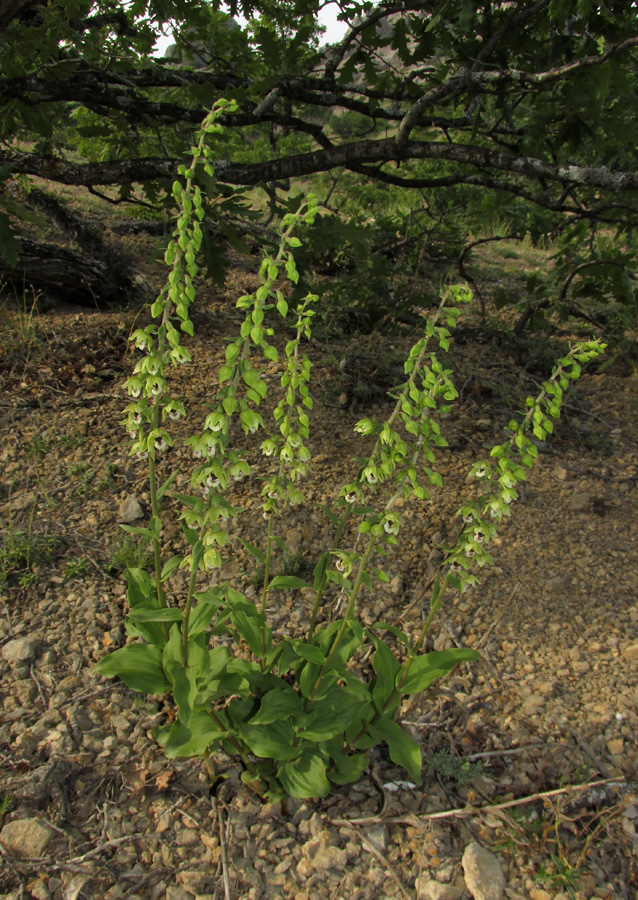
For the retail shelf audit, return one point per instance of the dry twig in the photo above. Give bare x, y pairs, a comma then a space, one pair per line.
223, 847
376, 852
469, 810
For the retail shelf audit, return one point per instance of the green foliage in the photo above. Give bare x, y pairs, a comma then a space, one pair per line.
560, 874
448, 765
297, 711
23, 552
22, 342
129, 553
426, 128
75, 567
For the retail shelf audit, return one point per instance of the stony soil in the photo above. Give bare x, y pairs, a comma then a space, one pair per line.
89, 800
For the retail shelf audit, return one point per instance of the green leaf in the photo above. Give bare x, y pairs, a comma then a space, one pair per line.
404, 751
132, 529
169, 566
248, 629
339, 707
273, 741
213, 595
330, 515
357, 629
164, 487
288, 582
309, 652
308, 680
283, 703
386, 666
305, 777
185, 690
9, 246
167, 614
21, 212
190, 535
172, 653
198, 552
139, 666
428, 667
399, 635
140, 587
193, 739
200, 618
254, 551
347, 768
320, 569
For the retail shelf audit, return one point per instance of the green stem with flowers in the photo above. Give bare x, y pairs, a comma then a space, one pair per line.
292, 726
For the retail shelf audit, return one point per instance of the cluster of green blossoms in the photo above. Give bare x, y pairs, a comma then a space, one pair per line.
411, 433
403, 454
150, 405
242, 385
513, 457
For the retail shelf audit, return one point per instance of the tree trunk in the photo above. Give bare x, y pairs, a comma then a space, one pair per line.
68, 274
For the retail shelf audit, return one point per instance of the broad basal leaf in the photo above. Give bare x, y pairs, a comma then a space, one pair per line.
428, 667
193, 739
386, 666
139, 666
305, 776
279, 704
403, 750
274, 741
332, 713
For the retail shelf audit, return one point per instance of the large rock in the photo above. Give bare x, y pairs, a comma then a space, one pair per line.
130, 510
322, 855
483, 875
26, 837
429, 889
21, 651
580, 502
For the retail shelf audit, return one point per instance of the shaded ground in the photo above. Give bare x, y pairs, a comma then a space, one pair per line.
554, 703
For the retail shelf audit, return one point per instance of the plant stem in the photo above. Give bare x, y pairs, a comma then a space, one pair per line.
348, 614
187, 609
155, 510
264, 593
324, 578
230, 738
269, 543
436, 606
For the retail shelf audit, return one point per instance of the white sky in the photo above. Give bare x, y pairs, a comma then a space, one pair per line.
328, 17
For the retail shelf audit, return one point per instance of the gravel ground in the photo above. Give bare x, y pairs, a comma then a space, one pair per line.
91, 809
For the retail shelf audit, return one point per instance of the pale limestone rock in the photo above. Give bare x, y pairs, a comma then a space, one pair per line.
21, 651
177, 893
26, 837
429, 889
322, 855
483, 875
130, 510
539, 894
615, 746
579, 502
